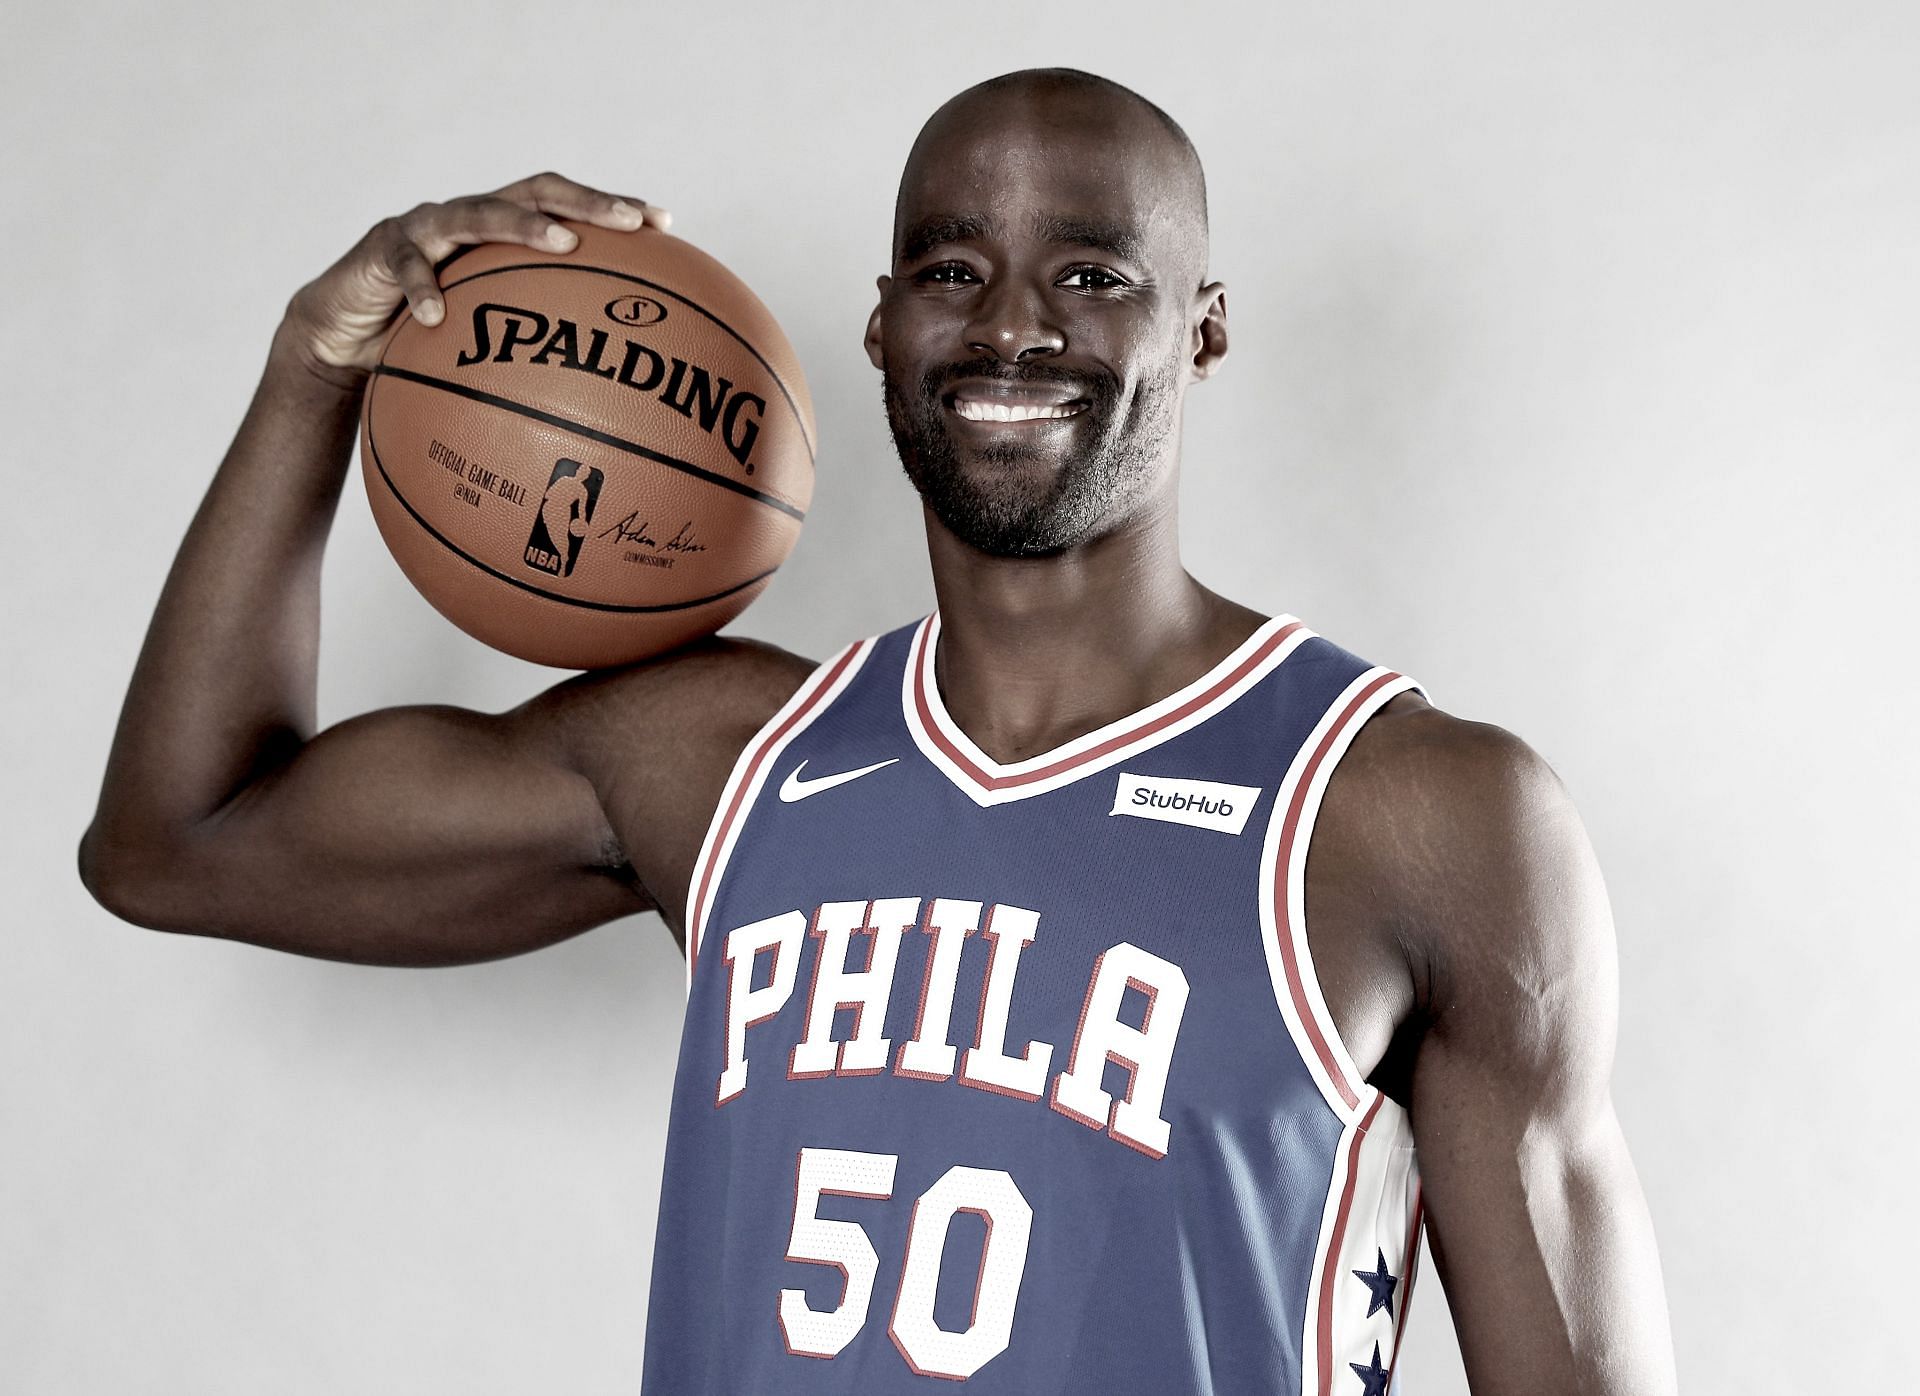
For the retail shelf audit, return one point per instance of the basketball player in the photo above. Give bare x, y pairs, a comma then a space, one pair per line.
564, 509
1092, 984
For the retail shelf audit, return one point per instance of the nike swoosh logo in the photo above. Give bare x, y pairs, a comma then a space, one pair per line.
793, 788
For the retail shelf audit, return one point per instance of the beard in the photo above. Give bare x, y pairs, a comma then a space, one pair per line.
1014, 498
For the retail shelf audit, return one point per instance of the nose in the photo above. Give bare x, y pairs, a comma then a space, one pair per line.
1014, 323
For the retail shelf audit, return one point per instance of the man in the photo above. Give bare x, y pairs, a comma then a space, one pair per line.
1026, 1045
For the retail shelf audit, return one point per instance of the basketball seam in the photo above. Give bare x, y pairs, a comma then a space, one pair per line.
605, 438
805, 438
525, 585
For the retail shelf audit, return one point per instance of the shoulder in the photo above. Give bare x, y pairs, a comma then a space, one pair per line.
1481, 860
1415, 750
1445, 783
656, 741
716, 684
706, 699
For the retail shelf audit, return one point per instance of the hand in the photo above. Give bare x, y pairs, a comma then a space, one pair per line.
334, 323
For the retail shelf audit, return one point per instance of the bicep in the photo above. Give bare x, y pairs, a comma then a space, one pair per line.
436, 835
419, 835
1535, 1216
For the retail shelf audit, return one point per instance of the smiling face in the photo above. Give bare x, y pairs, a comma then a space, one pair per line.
1044, 315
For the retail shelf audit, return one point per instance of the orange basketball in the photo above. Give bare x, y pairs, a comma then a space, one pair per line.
596, 455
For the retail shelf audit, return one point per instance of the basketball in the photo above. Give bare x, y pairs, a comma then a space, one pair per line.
597, 455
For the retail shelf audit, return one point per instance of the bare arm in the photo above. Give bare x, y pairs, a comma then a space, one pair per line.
420, 835
1537, 1223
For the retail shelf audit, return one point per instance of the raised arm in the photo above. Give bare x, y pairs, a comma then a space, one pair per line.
426, 835
1535, 1217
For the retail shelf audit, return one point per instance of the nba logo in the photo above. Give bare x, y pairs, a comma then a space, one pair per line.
565, 511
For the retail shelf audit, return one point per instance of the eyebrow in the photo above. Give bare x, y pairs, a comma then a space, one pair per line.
929, 233
1068, 229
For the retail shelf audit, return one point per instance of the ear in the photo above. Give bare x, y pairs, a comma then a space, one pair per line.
875, 355
1207, 344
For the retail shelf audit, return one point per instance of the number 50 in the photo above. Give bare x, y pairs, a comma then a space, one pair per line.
928, 1349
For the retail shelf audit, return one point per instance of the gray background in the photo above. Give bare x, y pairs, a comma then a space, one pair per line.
1572, 371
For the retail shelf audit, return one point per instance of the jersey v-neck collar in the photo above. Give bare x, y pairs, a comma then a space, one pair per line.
988, 782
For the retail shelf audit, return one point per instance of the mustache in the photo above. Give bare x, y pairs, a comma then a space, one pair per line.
936, 382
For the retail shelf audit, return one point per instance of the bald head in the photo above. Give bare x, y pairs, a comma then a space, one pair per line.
1049, 255
990, 124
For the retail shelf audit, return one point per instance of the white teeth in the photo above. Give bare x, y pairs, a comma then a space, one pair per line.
975, 411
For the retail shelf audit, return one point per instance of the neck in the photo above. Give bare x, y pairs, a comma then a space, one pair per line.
1034, 652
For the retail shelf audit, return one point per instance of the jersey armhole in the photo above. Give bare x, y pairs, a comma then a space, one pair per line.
749, 775
1283, 865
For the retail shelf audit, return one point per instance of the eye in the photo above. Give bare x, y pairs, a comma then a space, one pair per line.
945, 273
1105, 280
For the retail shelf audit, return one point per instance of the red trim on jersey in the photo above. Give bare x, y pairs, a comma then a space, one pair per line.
1323, 1342
922, 662
767, 743
1407, 1264
1283, 924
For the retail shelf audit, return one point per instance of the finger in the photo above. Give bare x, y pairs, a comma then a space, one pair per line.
414, 273
555, 193
439, 228
651, 215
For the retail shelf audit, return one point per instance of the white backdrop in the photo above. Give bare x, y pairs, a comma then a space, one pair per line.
1573, 371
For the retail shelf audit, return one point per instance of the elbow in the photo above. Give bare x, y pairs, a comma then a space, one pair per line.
127, 880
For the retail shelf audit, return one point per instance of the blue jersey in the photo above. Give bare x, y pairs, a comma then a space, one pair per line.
1018, 1075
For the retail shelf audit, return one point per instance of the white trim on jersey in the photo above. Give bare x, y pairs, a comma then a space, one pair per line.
750, 771
1370, 1223
1371, 1215
987, 782
1283, 932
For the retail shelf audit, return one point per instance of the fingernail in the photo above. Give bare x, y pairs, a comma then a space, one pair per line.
428, 313
626, 212
561, 237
